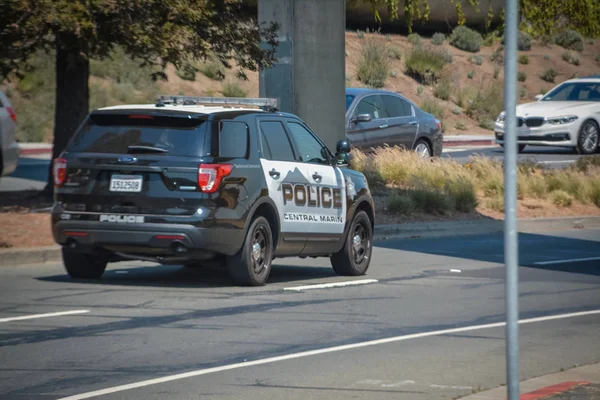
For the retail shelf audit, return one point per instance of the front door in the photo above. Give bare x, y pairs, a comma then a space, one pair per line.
368, 133
402, 124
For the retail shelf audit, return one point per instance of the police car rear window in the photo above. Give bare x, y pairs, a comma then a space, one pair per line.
135, 133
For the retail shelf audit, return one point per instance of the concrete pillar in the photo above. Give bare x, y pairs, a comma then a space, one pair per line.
309, 78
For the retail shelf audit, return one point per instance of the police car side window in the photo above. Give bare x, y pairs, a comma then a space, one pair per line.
311, 150
276, 144
233, 139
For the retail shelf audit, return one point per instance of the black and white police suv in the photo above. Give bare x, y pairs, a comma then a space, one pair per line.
192, 180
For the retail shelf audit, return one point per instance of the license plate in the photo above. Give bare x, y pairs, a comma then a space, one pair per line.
126, 183
523, 131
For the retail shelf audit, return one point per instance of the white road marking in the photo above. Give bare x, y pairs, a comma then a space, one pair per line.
458, 271
557, 162
310, 353
450, 387
333, 285
566, 261
54, 314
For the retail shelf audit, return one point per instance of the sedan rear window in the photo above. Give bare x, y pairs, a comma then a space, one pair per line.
141, 133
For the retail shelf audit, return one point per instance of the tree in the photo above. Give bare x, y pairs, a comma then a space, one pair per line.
156, 32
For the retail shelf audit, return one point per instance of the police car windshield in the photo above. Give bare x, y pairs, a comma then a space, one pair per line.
122, 134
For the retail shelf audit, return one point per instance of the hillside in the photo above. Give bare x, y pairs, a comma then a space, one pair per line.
472, 82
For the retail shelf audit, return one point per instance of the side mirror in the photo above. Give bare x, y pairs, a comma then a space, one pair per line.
538, 97
362, 118
342, 152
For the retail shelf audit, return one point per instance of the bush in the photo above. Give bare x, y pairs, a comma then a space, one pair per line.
432, 201
549, 75
414, 39
583, 164
521, 76
360, 34
466, 39
443, 90
498, 56
401, 204
187, 72
461, 126
566, 56
523, 41
487, 105
496, 72
477, 60
571, 58
463, 193
465, 96
570, 39
231, 89
489, 40
438, 39
495, 203
432, 106
523, 59
213, 69
522, 92
561, 198
394, 52
575, 59
426, 63
471, 74
374, 64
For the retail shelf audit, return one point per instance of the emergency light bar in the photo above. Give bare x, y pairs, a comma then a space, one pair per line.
265, 103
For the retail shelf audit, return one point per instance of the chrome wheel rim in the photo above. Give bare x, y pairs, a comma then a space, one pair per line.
361, 243
590, 137
422, 150
259, 250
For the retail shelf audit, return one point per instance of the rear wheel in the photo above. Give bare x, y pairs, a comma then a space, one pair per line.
354, 258
423, 149
587, 141
251, 266
82, 265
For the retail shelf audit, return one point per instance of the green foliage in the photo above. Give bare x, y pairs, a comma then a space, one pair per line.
438, 39
523, 59
477, 60
463, 193
471, 74
547, 17
521, 76
426, 63
597, 58
570, 39
523, 41
419, 90
547, 57
388, 38
393, 74
401, 204
360, 34
561, 198
584, 164
486, 105
543, 91
212, 68
460, 125
549, 75
373, 65
414, 39
498, 56
496, 72
489, 40
394, 52
443, 90
522, 92
457, 110
232, 89
187, 72
434, 107
432, 201
466, 39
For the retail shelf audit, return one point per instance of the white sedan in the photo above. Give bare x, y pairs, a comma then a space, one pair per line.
567, 116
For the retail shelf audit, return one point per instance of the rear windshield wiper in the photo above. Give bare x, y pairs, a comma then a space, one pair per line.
145, 149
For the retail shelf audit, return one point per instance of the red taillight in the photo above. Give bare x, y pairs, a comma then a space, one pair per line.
71, 233
12, 114
210, 176
60, 171
141, 117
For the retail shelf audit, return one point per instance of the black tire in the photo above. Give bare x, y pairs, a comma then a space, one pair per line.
251, 266
420, 147
520, 147
588, 137
354, 260
82, 265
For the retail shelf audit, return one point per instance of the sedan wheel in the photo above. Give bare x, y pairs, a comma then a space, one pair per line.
422, 149
587, 143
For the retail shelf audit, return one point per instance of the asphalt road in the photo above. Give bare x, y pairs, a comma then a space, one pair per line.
144, 322
551, 157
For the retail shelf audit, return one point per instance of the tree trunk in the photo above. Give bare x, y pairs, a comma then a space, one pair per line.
72, 95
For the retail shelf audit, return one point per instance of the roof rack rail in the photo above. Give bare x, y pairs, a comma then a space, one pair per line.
267, 104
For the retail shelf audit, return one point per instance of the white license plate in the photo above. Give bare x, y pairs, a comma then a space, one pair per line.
126, 183
523, 131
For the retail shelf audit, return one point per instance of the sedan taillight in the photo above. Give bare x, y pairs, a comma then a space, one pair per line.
210, 176
60, 171
12, 114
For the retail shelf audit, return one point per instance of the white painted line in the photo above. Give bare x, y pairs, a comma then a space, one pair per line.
54, 314
326, 350
458, 271
557, 162
450, 387
333, 285
566, 261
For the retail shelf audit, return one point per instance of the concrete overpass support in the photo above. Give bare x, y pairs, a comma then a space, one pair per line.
309, 77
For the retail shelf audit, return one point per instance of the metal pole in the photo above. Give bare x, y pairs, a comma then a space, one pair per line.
511, 251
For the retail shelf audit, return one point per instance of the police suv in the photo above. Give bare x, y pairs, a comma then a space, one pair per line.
195, 181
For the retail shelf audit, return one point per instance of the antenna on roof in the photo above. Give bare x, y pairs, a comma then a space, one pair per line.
267, 104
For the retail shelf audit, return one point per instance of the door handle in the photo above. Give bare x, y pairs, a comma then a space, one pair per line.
274, 174
317, 177
383, 126
412, 123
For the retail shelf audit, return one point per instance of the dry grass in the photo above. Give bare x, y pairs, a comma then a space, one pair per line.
440, 186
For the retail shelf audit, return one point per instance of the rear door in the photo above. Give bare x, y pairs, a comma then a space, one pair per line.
136, 163
402, 123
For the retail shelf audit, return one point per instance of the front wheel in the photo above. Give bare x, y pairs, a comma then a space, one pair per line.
82, 265
587, 141
354, 258
251, 266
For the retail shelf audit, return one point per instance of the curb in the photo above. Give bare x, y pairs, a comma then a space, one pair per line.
456, 143
416, 230
545, 386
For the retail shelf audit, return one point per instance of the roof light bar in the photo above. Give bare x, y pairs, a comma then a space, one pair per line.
267, 103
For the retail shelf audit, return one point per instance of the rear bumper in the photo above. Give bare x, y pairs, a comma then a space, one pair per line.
10, 159
181, 238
